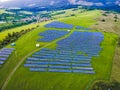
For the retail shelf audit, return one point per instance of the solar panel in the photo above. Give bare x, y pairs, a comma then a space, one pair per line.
82, 28
4, 54
3, 59
36, 65
1, 62
57, 24
60, 67
82, 71
51, 35
38, 69
59, 63
82, 65
58, 70
83, 68
72, 54
40, 63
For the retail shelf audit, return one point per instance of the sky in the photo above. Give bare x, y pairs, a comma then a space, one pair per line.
31, 3
4, 0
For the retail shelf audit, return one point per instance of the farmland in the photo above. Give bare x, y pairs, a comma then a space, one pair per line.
14, 76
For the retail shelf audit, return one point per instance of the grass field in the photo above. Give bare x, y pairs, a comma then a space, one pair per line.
2, 11
26, 12
18, 29
22, 79
67, 13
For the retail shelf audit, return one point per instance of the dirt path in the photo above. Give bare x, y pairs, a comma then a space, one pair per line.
22, 59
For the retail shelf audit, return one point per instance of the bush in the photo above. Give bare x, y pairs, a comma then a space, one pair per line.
102, 85
119, 41
103, 20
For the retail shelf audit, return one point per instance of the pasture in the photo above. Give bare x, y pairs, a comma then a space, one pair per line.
17, 29
23, 79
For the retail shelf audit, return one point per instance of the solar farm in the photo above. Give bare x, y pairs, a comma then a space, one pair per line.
73, 54
51, 35
57, 24
4, 54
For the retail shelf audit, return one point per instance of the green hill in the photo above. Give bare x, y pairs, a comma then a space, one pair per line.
14, 76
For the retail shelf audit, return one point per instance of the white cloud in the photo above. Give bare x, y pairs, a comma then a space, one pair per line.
83, 2
52, 3
98, 4
31, 5
117, 2
5, 0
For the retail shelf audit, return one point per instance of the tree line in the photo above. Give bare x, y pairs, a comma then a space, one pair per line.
14, 24
12, 37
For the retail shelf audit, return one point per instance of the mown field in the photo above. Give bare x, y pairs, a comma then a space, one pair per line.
22, 79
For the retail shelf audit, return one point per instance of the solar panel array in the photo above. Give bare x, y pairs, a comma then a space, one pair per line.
56, 24
73, 54
4, 54
82, 28
51, 35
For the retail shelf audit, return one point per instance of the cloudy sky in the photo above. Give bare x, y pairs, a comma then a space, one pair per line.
30, 3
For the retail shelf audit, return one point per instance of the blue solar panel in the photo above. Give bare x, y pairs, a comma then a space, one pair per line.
82, 28
38, 69
82, 65
72, 54
60, 67
4, 54
36, 65
33, 58
56, 24
1, 62
83, 68
3, 59
82, 71
32, 62
51, 35
59, 63
59, 70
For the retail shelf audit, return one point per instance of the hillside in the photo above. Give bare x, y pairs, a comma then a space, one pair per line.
15, 76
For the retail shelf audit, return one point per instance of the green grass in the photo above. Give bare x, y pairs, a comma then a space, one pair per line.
2, 11
67, 13
23, 79
26, 12
84, 19
18, 29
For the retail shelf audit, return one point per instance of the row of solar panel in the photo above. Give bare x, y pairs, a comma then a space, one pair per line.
66, 61
59, 63
4, 54
63, 57
62, 70
57, 24
51, 35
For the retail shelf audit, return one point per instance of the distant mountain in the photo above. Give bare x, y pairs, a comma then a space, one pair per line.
58, 3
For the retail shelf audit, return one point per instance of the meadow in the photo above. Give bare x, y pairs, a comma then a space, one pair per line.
14, 76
